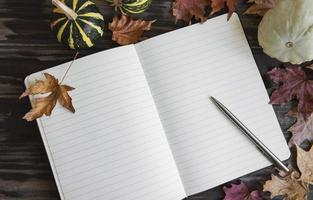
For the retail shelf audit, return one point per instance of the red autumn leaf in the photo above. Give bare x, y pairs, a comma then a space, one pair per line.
186, 9
294, 84
241, 192
217, 5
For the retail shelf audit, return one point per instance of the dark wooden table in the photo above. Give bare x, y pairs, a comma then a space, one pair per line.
26, 46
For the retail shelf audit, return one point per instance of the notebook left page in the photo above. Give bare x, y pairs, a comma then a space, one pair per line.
114, 146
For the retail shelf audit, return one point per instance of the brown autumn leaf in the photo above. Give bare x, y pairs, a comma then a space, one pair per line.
289, 186
260, 7
305, 164
44, 105
294, 186
217, 5
186, 9
128, 31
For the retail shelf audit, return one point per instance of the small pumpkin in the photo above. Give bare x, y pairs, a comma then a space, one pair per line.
286, 31
129, 7
77, 23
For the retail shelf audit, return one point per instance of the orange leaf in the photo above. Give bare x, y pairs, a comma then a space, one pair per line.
44, 105
186, 9
41, 86
127, 31
218, 5
64, 98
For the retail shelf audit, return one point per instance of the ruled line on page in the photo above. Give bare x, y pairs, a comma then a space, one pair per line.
214, 29
86, 171
94, 156
91, 112
91, 131
82, 90
132, 167
171, 50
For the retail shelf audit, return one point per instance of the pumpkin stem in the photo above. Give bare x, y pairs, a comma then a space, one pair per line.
289, 44
117, 3
71, 14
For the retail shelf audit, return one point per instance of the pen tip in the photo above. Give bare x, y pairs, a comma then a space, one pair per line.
212, 98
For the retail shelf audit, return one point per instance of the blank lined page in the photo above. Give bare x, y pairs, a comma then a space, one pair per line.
183, 69
114, 146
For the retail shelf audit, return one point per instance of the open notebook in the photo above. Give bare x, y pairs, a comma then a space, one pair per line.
144, 128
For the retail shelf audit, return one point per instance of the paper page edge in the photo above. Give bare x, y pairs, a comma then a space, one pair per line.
46, 145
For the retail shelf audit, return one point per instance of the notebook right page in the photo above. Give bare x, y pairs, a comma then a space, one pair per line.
183, 69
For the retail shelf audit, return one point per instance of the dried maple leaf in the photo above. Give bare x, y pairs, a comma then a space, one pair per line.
241, 192
217, 5
290, 187
294, 84
260, 7
45, 105
305, 164
186, 9
294, 186
302, 130
127, 31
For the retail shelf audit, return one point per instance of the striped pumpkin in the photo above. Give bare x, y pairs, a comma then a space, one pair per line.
128, 7
79, 32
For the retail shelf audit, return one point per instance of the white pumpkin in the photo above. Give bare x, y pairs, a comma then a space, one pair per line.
286, 31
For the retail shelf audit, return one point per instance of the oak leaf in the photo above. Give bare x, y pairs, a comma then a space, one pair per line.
260, 7
294, 186
187, 9
305, 164
44, 105
128, 31
294, 84
302, 130
218, 5
241, 192
289, 187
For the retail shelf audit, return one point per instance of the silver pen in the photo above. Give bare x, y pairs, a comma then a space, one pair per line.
266, 151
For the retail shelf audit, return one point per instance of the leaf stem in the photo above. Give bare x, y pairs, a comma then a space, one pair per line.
69, 67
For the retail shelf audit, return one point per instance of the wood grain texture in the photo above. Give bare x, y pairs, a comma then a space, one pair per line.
26, 46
